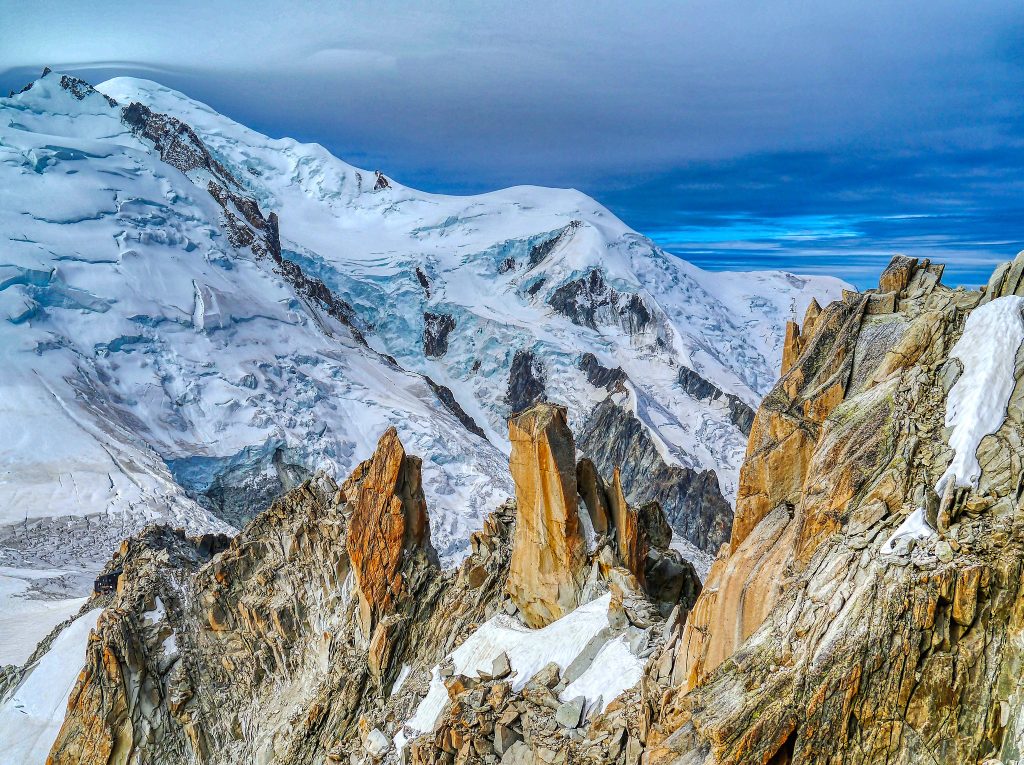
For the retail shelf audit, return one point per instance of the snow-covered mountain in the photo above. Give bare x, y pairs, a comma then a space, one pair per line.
189, 309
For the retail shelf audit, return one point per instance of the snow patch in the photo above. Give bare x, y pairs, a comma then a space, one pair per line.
914, 527
25, 620
613, 670
403, 675
157, 614
976, 404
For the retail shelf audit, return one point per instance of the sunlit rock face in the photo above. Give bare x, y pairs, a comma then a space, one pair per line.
549, 550
326, 631
389, 522
867, 607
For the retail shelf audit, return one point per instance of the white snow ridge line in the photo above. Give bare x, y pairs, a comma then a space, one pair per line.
31, 718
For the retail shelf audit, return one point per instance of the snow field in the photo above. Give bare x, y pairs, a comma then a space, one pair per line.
31, 718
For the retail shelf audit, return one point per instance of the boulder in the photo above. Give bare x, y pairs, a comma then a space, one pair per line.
569, 712
518, 754
500, 667
504, 739
377, 743
897, 274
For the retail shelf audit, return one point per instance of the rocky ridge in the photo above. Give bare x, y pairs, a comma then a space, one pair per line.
326, 631
615, 438
865, 610
196, 318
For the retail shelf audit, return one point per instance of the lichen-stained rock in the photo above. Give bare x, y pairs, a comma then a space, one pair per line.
389, 523
818, 640
318, 634
190, 623
549, 550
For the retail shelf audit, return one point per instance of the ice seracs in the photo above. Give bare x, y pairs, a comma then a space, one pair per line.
159, 366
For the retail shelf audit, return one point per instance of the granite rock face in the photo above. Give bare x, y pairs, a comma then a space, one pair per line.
201, 658
856, 615
549, 551
630, 542
822, 635
316, 634
388, 524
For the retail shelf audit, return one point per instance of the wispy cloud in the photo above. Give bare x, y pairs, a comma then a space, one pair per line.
829, 130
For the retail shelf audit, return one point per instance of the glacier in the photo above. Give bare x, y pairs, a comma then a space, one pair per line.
145, 345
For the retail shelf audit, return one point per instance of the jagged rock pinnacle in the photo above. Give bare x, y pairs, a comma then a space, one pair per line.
549, 550
389, 522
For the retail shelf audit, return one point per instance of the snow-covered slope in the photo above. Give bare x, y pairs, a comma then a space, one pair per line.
31, 717
149, 346
479, 257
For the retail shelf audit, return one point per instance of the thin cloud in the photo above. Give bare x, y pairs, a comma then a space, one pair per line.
673, 113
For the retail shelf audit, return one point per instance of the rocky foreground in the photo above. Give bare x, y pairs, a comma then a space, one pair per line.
316, 633
867, 608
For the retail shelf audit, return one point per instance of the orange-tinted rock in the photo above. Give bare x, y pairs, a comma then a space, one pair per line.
744, 583
548, 549
897, 274
740, 590
629, 542
389, 519
810, 319
96, 723
382, 648
791, 346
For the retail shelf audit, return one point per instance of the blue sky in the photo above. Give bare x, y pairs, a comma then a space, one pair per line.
818, 137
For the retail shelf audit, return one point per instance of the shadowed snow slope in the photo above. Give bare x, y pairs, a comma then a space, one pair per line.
31, 718
150, 353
